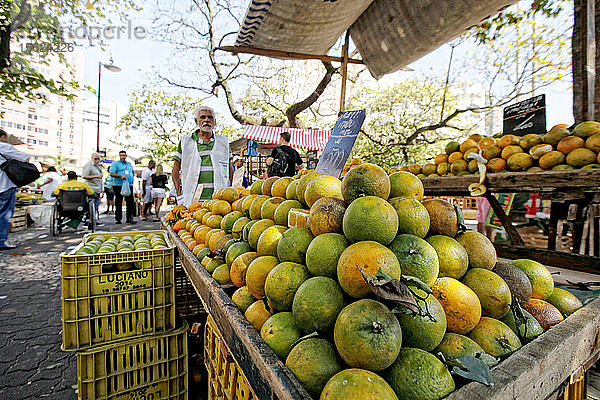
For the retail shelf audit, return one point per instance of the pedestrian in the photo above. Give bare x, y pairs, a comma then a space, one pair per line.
7, 189
158, 181
147, 189
92, 174
109, 194
239, 172
284, 160
122, 184
201, 163
51, 181
483, 208
73, 184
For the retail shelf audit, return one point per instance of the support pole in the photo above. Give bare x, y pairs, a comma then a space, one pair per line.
590, 65
98, 115
344, 72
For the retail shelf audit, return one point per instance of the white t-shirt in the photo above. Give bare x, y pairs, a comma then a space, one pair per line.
49, 188
8, 152
146, 174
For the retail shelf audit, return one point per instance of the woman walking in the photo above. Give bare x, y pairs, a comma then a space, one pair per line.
159, 184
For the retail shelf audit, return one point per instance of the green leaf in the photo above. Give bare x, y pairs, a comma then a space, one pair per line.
414, 281
473, 369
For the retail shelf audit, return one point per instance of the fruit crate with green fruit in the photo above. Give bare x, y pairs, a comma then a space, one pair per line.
154, 367
117, 286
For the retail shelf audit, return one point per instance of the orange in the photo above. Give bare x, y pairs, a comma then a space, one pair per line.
237, 205
266, 186
365, 180
206, 216
197, 248
200, 233
239, 266
257, 314
200, 213
214, 221
221, 207
371, 257
257, 272
209, 234
212, 242
230, 195
280, 186
461, 304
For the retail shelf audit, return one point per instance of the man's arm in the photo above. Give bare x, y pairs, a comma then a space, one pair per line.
176, 177
114, 175
270, 159
87, 173
230, 172
299, 161
143, 188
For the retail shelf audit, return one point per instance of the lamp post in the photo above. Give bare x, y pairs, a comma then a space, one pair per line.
113, 68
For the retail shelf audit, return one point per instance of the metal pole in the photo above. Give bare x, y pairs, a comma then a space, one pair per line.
98, 119
590, 66
344, 72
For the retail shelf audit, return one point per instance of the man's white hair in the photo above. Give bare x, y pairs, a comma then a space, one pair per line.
205, 108
96, 154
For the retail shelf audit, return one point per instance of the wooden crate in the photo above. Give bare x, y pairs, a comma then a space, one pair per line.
19, 220
540, 370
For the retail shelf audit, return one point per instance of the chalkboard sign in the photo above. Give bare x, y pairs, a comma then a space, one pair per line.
525, 117
340, 143
506, 201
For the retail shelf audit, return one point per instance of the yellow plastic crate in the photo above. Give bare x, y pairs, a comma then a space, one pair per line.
225, 378
101, 307
151, 368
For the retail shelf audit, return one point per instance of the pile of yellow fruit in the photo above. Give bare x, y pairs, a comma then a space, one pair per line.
558, 149
292, 279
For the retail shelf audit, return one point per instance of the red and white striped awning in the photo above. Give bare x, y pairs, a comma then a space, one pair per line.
308, 139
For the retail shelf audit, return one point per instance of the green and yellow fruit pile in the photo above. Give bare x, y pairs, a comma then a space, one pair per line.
295, 280
558, 149
137, 241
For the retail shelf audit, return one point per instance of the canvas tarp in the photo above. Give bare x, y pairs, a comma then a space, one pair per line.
389, 34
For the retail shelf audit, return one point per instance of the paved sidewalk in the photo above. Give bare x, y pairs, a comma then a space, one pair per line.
32, 365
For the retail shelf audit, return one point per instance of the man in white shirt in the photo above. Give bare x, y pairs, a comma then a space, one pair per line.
7, 189
147, 189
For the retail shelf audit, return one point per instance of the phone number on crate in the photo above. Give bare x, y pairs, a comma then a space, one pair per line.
48, 47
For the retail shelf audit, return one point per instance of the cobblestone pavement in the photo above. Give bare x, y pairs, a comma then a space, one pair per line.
32, 365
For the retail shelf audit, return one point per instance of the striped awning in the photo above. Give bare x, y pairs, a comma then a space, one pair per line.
307, 139
389, 34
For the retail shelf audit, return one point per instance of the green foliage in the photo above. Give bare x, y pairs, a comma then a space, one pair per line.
495, 26
34, 32
394, 113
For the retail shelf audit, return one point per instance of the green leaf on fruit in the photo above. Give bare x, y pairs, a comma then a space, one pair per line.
473, 369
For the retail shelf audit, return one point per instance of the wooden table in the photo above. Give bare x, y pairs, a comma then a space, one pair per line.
581, 186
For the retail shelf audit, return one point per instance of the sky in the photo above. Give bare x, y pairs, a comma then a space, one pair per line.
136, 57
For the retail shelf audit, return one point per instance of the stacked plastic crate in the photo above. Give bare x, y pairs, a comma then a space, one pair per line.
118, 313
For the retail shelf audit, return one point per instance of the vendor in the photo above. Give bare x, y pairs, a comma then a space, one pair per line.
51, 182
202, 158
239, 174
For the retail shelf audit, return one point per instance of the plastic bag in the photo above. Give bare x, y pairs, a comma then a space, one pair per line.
125, 189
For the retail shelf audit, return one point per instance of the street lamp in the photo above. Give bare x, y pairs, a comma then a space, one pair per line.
113, 68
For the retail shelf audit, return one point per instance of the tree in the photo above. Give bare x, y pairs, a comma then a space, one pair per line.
196, 33
403, 121
406, 121
32, 30
161, 118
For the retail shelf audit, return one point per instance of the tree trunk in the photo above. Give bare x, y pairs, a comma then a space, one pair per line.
579, 44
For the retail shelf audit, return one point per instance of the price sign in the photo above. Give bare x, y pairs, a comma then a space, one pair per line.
525, 117
340, 143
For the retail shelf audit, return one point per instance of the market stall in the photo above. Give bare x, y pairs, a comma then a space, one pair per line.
562, 187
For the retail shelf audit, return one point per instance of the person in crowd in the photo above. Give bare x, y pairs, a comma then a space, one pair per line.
158, 181
109, 194
8, 189
284, 160
201, 160
239, 172
51, 182
92, 174
122, 175
73, 184
483, 207
147, 189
